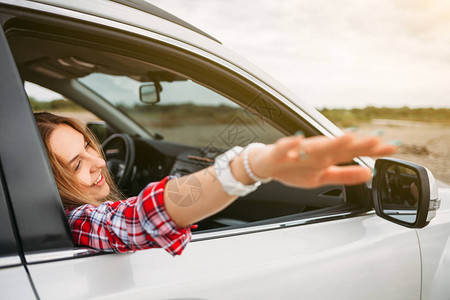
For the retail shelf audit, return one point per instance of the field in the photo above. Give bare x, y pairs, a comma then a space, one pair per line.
427, 144
424, 133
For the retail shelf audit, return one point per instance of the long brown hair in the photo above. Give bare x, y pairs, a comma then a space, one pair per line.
65, 179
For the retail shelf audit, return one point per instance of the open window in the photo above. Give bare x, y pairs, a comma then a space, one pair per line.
202, 110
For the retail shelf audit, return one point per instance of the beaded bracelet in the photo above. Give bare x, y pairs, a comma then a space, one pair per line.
247, 165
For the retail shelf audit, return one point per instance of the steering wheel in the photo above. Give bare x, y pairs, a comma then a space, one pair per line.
120, 154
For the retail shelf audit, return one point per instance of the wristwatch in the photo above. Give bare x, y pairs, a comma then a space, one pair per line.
230, 185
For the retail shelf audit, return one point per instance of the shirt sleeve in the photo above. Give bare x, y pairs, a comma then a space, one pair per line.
133, 224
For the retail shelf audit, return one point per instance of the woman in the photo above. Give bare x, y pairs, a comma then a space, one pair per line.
160, 216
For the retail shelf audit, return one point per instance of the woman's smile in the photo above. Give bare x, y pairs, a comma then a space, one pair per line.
100, 180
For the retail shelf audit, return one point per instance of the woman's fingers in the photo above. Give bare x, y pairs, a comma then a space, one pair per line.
321, 150
317, 146
346, 175
288, 147
311, 162
370, 146
323, 146
345, 148
383, 149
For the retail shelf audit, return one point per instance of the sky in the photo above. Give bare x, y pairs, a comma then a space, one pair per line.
336, 54
347, 53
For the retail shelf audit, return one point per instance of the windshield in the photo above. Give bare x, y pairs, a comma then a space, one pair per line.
187, 112
123, 91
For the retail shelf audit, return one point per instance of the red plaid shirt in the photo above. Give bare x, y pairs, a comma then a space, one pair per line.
135, 223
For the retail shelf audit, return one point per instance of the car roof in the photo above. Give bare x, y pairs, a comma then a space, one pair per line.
137, 13
154, 10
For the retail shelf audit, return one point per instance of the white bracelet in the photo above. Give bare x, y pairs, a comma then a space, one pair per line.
229, 184
247, 164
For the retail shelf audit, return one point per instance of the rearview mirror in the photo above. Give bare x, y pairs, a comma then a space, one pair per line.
149, 92
404, 193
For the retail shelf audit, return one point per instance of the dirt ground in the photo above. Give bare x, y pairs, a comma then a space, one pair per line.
427, 144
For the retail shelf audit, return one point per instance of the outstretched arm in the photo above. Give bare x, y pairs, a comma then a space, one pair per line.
294, 161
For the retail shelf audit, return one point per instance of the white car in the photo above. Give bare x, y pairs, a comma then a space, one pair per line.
171, 98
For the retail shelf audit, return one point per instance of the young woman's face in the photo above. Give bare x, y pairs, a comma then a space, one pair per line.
70, 146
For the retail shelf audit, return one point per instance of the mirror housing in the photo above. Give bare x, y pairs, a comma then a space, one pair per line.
149, 93
404, 193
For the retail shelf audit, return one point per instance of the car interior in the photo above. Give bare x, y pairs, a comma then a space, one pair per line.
138, 154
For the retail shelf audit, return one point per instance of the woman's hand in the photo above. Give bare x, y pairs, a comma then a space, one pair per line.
312, 162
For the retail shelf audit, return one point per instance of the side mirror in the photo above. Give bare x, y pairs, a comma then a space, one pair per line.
149, 92
404, 193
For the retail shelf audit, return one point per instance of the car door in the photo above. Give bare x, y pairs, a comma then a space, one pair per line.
360, 257
335, 255
14, 280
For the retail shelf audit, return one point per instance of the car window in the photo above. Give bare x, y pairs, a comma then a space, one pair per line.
43, 99
196, 115
191, 114
187, 112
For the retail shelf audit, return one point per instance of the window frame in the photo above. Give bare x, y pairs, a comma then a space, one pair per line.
207, 72
9, 251
37, 208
